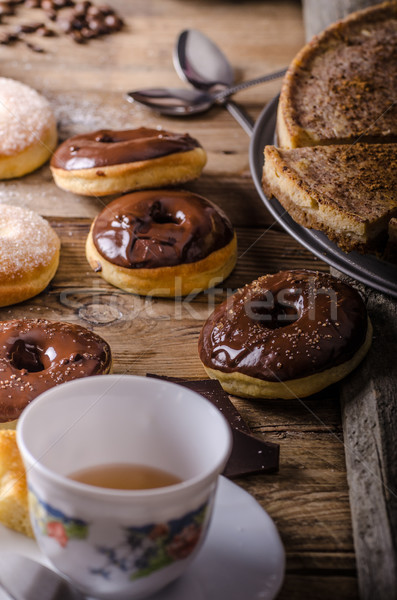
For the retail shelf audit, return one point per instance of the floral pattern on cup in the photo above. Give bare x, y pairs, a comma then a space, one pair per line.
151, 547
54, 523
141, 551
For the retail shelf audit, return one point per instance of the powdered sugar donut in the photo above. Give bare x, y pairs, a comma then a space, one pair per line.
28, 132
29, 254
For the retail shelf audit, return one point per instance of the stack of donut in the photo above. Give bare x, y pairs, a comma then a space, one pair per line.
158, 242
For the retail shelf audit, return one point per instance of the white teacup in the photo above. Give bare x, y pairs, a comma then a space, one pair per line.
121, 543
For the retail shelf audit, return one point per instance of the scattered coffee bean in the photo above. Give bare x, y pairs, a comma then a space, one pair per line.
31, 28
98, 25
94, 11
81, 8
88, 34
77, 37
7, 38
62, 3
106, 10
35, 48
45, 32
114, 22
84, 20
47, 5
6, 9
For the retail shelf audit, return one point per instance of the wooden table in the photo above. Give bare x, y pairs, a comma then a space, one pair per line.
308, 498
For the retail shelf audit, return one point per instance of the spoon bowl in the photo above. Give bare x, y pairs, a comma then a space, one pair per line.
172, 101
199, 61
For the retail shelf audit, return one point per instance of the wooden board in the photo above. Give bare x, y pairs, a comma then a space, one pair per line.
369, 416
308, 498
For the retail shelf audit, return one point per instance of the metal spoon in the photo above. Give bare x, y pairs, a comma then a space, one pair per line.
198, 60
185, 102
24, 579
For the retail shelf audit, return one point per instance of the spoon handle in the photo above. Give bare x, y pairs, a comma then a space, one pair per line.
219, 96
240, 115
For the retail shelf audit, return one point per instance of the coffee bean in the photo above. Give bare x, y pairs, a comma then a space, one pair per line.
31, 28
114, 22
62, 3
6, 9
46, 32
7, 38
77, 37
79, 22
99, 26
94, 11
35, 48
82, 7
47, 5
88, 33
106, 9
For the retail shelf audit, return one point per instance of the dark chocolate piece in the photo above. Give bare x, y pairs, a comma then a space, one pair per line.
249, 454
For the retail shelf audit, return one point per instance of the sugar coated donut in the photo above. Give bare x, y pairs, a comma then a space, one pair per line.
28, 133
29, 254
36, 354
162, 243
286, 335
111, 162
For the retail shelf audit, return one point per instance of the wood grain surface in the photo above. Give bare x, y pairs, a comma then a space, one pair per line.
308, 498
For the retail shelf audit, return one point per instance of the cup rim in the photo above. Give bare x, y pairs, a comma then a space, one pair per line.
102, 492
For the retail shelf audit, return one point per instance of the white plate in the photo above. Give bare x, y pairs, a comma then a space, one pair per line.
242, 557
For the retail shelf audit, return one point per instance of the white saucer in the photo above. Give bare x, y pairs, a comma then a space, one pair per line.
242, 557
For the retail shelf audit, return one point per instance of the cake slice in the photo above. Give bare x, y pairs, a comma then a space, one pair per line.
13, 488
342, 86
349, 192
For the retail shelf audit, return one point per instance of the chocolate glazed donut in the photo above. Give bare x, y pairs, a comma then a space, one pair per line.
37, 354
286, 335
162, 242
108, 162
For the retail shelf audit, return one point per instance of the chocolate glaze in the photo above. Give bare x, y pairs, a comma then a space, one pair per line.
106, 147
160, 228
285, 326
36, 354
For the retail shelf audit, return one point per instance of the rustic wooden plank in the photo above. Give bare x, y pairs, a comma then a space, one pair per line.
313, 587
369, 415
337, 562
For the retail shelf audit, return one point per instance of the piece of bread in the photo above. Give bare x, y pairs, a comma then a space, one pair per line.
349, 192
14, 511
341, 87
